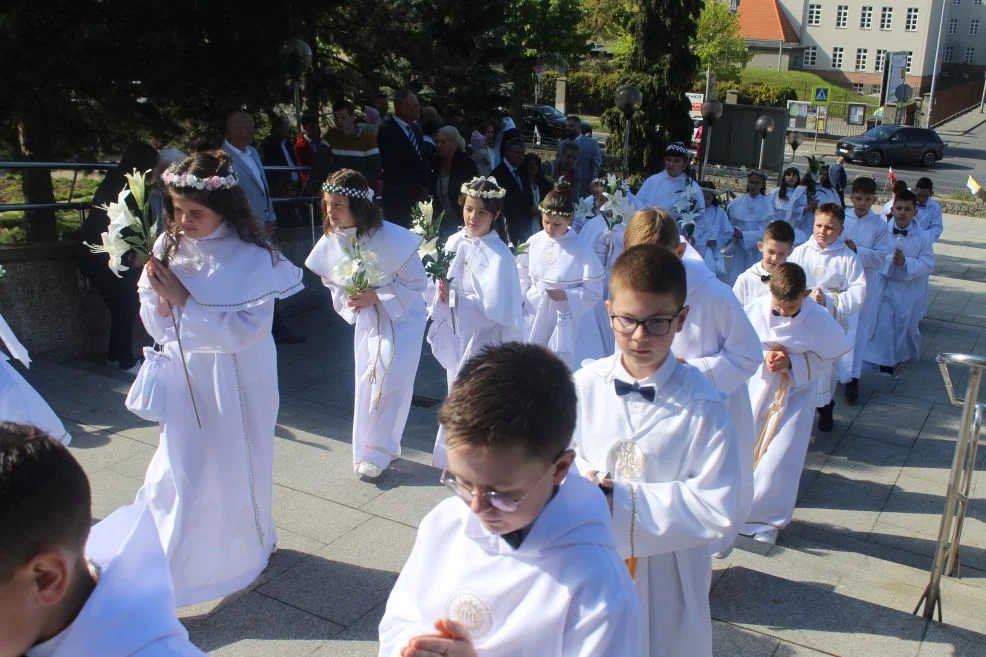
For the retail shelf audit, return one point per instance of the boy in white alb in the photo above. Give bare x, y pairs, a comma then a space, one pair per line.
657, 436
836, 279
669, 188
799, 338
776, 246
749, 214
64, 596
717, 338
929, 216
522, 562
896, 336
866, 235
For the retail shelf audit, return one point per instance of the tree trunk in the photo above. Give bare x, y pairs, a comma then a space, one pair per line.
35, 145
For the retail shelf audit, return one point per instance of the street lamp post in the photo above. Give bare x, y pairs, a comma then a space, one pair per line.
297, 56
711, 111
628, 101
794, 140
764, 126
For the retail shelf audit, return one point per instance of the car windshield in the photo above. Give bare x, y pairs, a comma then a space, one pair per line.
880, 132
552, 112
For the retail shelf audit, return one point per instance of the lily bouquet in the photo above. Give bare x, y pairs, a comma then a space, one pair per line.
617, 208
358, 272
685, 208
130, 238
433, 255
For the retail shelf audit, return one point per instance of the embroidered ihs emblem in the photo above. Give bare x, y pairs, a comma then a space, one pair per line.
550, 256
628, 460
472, 611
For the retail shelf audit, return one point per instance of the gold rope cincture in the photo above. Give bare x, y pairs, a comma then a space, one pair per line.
773, 412
632, 561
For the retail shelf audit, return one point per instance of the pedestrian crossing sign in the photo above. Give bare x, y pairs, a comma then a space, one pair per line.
821, 94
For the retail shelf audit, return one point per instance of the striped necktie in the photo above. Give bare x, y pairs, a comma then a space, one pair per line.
414, 142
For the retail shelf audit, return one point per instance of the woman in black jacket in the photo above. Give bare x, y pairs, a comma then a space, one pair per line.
450, 168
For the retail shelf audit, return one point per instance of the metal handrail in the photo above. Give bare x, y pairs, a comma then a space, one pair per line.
946, 558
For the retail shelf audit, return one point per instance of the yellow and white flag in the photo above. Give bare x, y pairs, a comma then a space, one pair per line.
974, 187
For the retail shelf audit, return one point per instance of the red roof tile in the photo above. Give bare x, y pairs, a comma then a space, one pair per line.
764, 20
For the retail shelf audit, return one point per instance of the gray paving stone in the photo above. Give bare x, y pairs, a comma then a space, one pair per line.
792, 650
260, 626
96, 450
944, 641
413, 498
730, 640
110, 491
891, 419
314, 517
135, 466
862, 459
842, 504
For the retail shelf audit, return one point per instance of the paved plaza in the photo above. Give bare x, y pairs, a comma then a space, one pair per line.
842, 580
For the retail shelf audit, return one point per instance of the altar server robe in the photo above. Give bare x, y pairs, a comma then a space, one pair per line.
791, 208
663, 191
896, 336
568, 264
209, 489
712, 226
563, 591
607, 244
751, 285
823, 195
488, 308
750, 214
19, 401
838, 272
784, 404
131, 612
872, 239
680, 487
929, 218
720, 342
387, 336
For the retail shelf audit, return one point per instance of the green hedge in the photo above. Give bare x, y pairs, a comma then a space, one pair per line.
766, 95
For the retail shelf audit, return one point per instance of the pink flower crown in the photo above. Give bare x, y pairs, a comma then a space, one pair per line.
188, 181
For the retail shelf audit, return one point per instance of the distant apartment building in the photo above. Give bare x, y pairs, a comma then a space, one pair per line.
846, 40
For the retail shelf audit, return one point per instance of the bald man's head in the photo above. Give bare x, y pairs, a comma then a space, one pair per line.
239, 129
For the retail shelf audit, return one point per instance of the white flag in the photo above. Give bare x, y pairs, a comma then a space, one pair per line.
537, 136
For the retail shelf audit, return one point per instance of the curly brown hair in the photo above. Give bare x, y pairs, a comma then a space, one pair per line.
231, 204
366, 214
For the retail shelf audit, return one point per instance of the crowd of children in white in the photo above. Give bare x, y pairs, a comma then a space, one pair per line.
616, 413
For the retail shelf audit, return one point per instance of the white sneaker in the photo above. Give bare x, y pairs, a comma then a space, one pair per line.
722, 554
133, 370
768, 536
366, 471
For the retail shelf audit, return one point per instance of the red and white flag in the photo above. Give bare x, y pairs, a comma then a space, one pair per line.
890, 176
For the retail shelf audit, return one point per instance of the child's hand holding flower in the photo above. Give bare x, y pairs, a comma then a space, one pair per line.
166, 284
363, 300
451, 640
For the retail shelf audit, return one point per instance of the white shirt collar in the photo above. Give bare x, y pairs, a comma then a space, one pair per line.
403, 124
657, 379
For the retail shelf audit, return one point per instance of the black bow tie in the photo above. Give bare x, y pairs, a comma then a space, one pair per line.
900, 231
765, 278
623, 388
922, 206
777, 314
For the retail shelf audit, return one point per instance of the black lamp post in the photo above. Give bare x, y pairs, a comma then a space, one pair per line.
297, 58
628, 101
794, 141
764, 126
711, 111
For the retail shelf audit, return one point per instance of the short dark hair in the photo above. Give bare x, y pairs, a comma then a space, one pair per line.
574, 117
779, 231
401, 95
899, 186
787, 282
571, 146
925, 183
340, 105
514, 143
512, 394
46, 497
863, 185
906, 195
650, 269
832, 209
652, 226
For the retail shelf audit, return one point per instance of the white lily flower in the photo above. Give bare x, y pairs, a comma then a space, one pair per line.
427, 210
114, 246
137, 184
429, 248
344, 271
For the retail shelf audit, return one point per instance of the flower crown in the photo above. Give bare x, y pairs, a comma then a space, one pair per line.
559, 213
499, 192
351, 192
188, 181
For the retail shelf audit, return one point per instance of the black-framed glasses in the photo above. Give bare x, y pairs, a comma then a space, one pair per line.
656, 326
496, 499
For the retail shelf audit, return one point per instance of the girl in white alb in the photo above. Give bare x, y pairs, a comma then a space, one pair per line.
561, 279
603, 233
208, 295
481, 304
712, 232
375, 276
790, 199
749, 214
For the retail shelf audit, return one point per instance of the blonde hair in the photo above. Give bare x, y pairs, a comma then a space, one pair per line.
452, 134
652, 226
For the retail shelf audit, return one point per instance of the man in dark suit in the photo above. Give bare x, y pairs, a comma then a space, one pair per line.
402, 153
519, 201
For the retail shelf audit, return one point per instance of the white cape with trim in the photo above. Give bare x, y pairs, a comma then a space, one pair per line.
19, 401
209, 489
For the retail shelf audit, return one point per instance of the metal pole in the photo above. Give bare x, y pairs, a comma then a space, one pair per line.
763, 141
780, 54
982, 100
626, 147
708, 82
934, 70
706, 142
311, 218
297, 104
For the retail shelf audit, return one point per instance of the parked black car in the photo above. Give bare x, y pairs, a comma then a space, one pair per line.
890, 144
549, 120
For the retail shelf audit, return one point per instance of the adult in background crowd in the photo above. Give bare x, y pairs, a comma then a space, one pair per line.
564, 168
590, 157
481, 156
353, 147
505, 131
251, 179
311, 150
518, 201
837, 173
538, 183
276, 150
402, 153
119, 293
451, 167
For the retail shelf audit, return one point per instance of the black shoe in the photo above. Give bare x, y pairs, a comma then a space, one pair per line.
887, 369
825, 420
285, 336
852, 390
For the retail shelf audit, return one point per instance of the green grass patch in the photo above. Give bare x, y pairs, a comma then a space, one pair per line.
12, 228
803, 82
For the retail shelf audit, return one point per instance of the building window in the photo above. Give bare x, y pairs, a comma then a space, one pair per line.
970, 55
953, 25
811, 56
886, 18
814, 14
842, 16
836, 57
974, 26
956, 2
910, 56
949, 54
866, 18
861, 54
911, 23
881, 56
977, 3
858, 87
